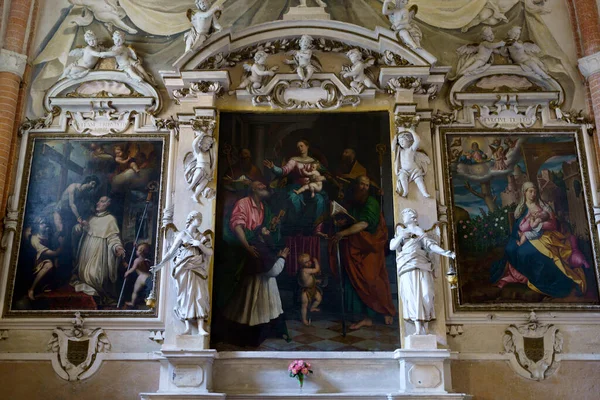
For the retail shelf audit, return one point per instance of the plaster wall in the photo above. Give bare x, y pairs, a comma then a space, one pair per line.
21, 380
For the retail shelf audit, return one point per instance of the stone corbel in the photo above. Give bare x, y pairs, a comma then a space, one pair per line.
589, 65
12, 62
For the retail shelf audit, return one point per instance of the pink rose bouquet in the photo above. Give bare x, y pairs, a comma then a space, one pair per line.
299, 369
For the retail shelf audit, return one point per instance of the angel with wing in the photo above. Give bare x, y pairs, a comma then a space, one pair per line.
199, 164
205, 20
87, 58
410, 164
476, 58
414, 246
402, 18
359, 71
190, 253
257, 73
304, 62
127, 60
524, 54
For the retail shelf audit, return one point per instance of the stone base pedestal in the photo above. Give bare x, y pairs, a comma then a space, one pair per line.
424, 369
186, 371
306, 13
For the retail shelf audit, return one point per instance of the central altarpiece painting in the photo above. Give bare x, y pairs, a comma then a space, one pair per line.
304, 217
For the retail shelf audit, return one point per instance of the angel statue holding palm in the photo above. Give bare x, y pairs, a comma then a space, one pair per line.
414, 246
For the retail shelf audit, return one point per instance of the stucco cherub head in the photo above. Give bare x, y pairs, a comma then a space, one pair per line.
306, 42
118, 38
202, 4
514, 33
260, 57
90, 38
354, 55
405, 139
487, 34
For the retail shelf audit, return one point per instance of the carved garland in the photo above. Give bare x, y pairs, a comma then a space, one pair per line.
220, 60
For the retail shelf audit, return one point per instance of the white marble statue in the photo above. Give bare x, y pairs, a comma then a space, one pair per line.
410, 164
524, 54
88, 58
358, 72
320, 3
107, 11
205, 21
304, 62
413, 247
190, 253
257, 73
402, 19
127, 60
200, 166
476, 58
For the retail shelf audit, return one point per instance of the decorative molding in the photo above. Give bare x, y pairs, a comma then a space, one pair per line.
75, 350
292, 95
532, 348
444, 118
507, 115
3, 334
102, 120
454, 330
40, 123
197, 89
12, 62
589, 65
412, 83
157, 336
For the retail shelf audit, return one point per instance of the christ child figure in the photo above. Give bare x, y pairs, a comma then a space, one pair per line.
315, 184
141, 265
311, 294
125, 162
536, 222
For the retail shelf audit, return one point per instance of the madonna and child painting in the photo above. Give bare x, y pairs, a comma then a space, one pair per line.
305, 215
521, 221
89, 226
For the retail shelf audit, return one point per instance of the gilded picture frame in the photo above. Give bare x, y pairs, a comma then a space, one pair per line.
121, 174
494, 184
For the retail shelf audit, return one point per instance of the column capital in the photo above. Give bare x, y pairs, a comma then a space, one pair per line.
589, 65
12, 62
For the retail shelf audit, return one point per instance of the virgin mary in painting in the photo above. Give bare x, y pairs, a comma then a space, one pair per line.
302, 209
538, 254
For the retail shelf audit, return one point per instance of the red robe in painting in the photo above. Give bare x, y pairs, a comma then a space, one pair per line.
363, 257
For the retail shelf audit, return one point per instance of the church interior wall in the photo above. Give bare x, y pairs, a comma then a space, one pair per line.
143, 349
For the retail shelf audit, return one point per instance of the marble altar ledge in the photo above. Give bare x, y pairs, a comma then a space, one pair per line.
303, 396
